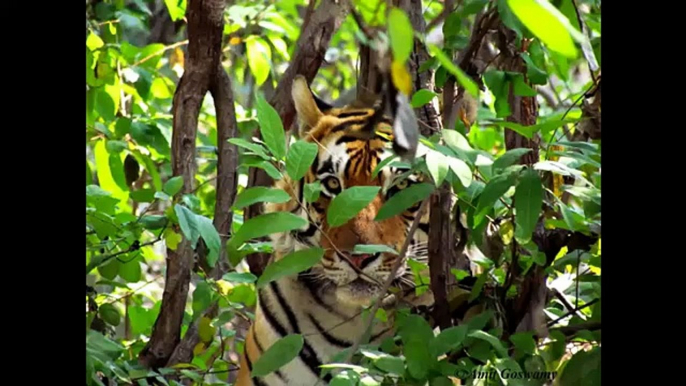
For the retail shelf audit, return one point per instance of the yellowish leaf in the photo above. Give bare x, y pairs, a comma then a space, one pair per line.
172, 239
177, 58
225, 287
506, 231
236, 40
198, 349
401, 77
558, 180
205, 330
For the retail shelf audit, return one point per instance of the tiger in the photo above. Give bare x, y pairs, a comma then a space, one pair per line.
324, 304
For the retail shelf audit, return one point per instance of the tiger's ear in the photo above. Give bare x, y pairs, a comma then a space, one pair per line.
308, 107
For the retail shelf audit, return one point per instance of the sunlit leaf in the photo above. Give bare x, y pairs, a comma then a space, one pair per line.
291, 264
548, 24
349, 203
259, 58
401, 34
279, 354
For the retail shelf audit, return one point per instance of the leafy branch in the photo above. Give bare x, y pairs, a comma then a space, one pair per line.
99, 260
401, 258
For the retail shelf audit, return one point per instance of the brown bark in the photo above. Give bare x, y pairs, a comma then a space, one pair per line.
442, 255
227, 182
183, 352
311, 48
205, 29
429, 112
162, 28
525, 312
524, 109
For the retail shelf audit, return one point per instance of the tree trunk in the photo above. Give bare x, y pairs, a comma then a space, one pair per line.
205, 29
526, 310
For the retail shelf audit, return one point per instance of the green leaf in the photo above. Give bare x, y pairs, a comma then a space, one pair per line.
188, 223
109, 314
441, 381
205, 330
349, 203
176, 8
557, 167
416, 327
437, 164
533, 72
114, 147
209, 233
461, 170
266, 224
422, 97
401, 34
162, 196
455, 140
391, 364
373, 248
520, 87
497, 82
345, 378
291, 264
494, 189
202, 297
524, 341
528, 204
130, 270
259, 58
173, 185
464, 80
312, 191
109, 270
495, 342
548, 24
508, 158
404, 199
582, 369
266, 166
279, 354
300, 157
382, 165
143, 195
102, 347
253, 147
238, 277
478, 286
260, 194
104, 173
271, 128
449, 339
418, 358
152, 222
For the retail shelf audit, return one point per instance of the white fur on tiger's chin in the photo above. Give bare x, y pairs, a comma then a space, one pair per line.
357, 294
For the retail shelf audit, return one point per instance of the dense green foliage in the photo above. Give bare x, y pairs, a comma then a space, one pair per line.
134, 210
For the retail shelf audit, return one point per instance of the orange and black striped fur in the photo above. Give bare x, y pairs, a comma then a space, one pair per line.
324, 303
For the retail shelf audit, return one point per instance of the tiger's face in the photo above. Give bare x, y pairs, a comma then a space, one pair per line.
348, 159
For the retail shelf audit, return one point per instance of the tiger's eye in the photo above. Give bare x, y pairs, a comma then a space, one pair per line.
332, 183
402, 184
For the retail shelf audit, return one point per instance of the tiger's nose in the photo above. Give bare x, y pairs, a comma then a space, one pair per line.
361, 260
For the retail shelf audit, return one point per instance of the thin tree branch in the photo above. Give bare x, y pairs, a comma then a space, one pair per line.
205, 32
389, 280
135, 246
574, 311
309, 56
